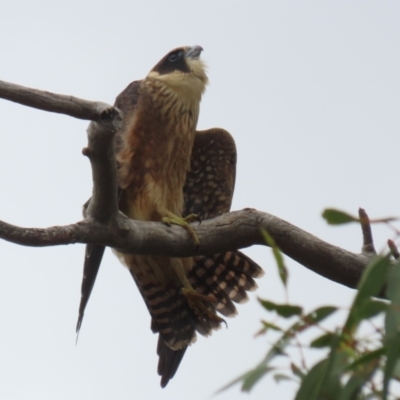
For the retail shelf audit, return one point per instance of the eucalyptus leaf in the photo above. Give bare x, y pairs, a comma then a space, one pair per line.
337, 217
284, 310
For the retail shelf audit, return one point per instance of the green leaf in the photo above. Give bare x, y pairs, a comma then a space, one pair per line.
323, 380
337, 217
393, 287
282, 270
371, 396
254, 376
371, 284
339, 358
362, 370
373, 278
371, 308
367, 358
320, 313
323, 341
305, 322
284, 310
249, 379
392, 328
311, 385
281, 377
297, 371
396, 372
354, 385
269, 325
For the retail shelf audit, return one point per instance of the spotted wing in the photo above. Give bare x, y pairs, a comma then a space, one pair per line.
210, 183
208, 192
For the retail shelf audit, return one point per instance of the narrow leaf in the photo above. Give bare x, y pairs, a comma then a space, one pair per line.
354, 385
323, 341
373, 278
337, 217
266, 327
248, 379
254, 376
281, 377
392, 328
284, 310
297, 371
270, 325
396, 372
371, 308
320, 313
282, 270
371, 284
372, 356
363, 369
393, 287
311, 384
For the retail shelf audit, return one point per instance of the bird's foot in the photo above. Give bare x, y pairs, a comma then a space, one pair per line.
172, 219
197, 302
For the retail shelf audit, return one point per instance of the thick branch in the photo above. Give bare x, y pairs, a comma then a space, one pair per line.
104, 202
230, 231
58, 103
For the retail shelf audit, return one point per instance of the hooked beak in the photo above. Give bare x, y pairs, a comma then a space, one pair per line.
194, 52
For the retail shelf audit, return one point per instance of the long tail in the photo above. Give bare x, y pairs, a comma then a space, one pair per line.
225, 276
93, 255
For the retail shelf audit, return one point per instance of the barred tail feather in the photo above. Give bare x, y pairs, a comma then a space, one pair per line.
168, 362
169, 310
227, 277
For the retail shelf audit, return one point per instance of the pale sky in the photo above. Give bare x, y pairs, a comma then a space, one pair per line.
310, 90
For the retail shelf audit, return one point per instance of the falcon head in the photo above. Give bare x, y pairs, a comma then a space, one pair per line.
183, 71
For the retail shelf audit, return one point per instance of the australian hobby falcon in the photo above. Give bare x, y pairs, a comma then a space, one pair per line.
168, 170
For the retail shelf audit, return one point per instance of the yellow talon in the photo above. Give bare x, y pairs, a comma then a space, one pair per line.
197, 304
172, 219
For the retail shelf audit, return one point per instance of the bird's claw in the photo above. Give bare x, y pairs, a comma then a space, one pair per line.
172, 219
192, 218
197, 302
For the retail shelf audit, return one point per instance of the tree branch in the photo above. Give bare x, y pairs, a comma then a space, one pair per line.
57, 103
368, 242
105, 225
230, 231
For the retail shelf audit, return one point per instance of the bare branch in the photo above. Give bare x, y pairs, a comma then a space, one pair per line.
393, 249
230, 231
58, 103
368, 241
104, 202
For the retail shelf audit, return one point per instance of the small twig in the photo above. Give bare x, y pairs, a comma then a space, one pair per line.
386, 220
393, 249
368, 242
394, 229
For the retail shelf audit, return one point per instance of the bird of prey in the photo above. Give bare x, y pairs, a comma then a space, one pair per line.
167, 171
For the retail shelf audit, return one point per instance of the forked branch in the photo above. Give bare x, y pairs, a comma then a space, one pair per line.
105, 225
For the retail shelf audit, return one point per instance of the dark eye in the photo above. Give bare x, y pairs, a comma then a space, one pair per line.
175, 56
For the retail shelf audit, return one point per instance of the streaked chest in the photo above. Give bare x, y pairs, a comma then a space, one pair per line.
156, 154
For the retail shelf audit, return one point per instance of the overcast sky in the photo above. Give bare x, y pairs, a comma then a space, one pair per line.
310, 92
